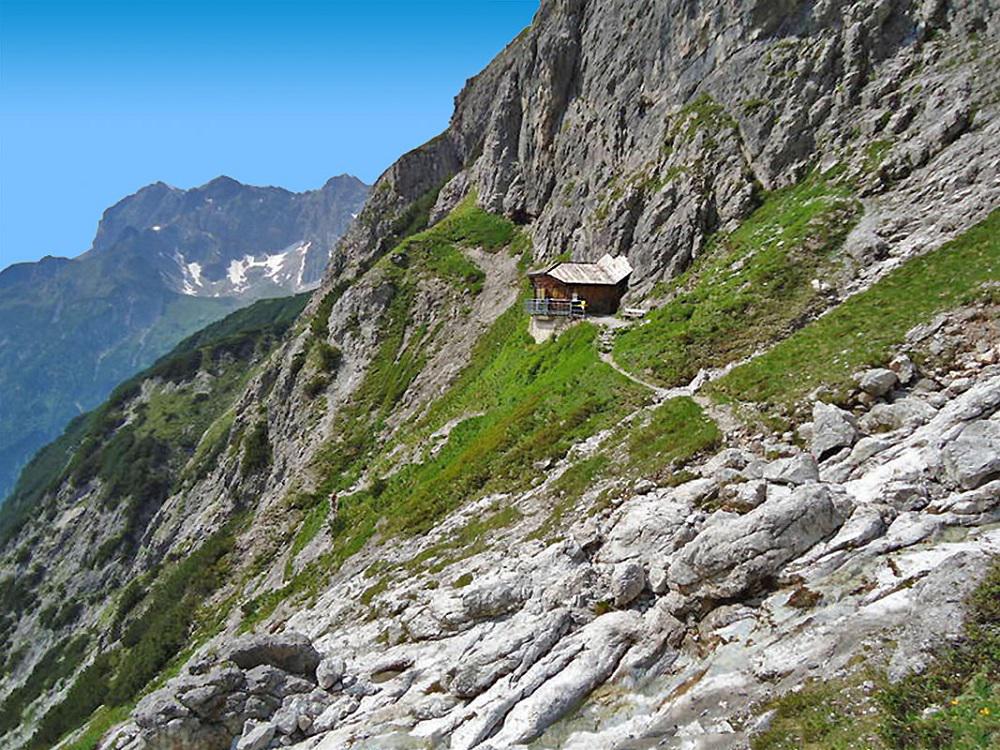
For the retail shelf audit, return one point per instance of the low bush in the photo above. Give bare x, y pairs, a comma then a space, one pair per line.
256, 449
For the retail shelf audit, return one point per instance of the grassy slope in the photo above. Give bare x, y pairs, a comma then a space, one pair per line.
749, 288
538, 400
863, 330
676, 432
531, 402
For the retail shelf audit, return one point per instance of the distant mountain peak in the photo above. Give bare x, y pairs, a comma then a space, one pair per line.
225, 243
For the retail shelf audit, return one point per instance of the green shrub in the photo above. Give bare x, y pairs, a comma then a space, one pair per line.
415, 217
316, 385
329, 356
256, 449
133, 593
319, 325
57, 616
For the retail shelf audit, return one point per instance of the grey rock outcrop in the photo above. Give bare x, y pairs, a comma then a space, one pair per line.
329, 671
291, 652
627, 582
256, 736
736, 557
877, 382
973, 458
833, 428
798, 469
927, 629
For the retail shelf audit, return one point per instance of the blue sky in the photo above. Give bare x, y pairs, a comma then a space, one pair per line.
99, 98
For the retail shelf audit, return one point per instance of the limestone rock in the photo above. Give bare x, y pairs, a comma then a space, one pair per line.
973, 458
906, 413
928, 628
732, 559
877, 382
329, 671
256, 736
833, 428
269, 680
291, 652
797, 469
627, 582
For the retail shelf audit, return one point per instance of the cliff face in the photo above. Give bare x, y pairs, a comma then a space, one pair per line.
642, 127
405, 525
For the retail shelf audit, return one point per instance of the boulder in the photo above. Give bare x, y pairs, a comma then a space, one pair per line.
329, 672
907, 413
490, 599
744, 496
904, 368
291, 652
158, 708
267, 680
833, 429
797, 469
973, 458
736, 557
877, 382
256, 736
659, 581
286, 719
627, 582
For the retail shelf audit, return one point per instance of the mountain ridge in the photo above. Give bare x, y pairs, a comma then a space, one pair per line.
164, 263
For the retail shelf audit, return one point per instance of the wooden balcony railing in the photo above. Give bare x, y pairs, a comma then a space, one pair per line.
555, 307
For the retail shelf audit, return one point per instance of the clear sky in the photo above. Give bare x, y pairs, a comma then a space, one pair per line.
101, 97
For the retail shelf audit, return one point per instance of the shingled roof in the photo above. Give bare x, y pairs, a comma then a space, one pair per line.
607, 271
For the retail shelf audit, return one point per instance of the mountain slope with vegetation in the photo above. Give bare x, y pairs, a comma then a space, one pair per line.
164, 263
399, 521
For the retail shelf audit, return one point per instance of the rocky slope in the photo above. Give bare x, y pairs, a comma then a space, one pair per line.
412, 527
164, 263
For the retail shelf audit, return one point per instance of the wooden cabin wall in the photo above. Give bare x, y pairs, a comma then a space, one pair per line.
602, 299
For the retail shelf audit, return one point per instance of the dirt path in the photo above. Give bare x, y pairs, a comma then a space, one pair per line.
661, 393
723, 416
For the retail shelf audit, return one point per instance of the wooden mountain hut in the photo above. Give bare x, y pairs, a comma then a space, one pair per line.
577, 289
